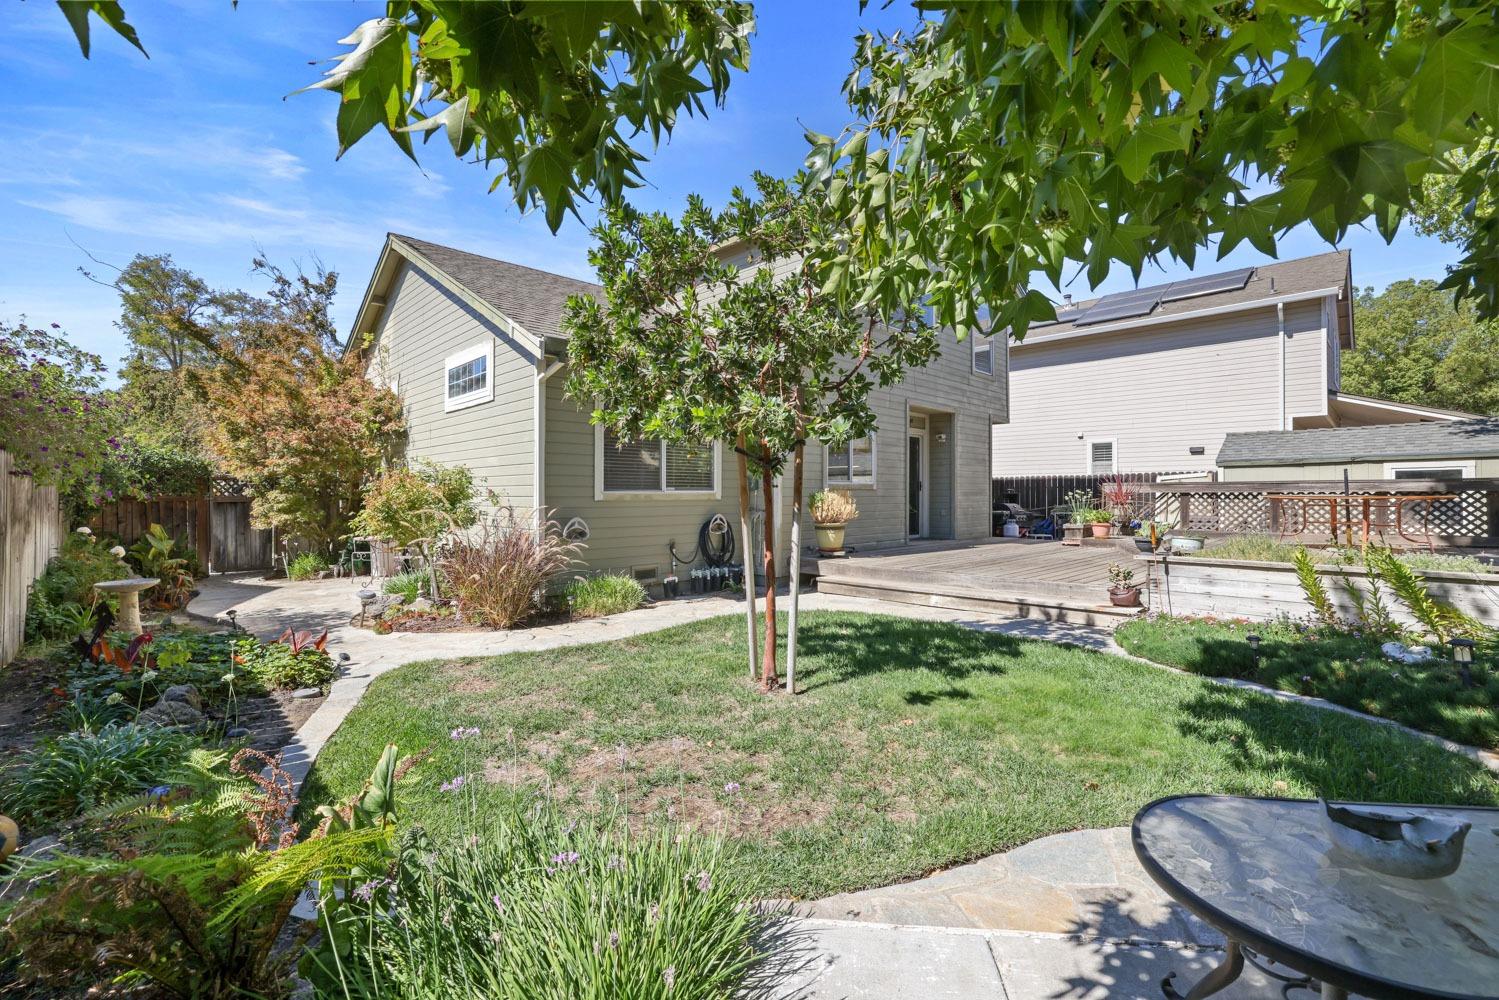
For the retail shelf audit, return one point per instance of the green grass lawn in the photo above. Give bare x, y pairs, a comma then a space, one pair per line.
916, 745
1343, 667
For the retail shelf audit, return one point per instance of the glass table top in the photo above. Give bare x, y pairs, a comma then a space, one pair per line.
1264, 872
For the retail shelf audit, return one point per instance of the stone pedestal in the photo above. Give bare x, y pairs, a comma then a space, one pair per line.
129, 592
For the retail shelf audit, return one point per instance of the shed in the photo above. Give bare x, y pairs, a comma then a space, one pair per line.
1466, 449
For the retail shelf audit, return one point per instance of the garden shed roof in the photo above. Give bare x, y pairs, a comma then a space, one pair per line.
1379, 442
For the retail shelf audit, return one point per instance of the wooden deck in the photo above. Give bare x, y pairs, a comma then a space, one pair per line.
1013, 576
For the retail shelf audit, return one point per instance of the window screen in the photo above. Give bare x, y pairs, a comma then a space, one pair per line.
983, 354
653, 467
852, 463
469, 377
1100, 457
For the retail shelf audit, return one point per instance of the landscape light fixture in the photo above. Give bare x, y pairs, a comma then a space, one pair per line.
231, 614
1462, 655
1254, 647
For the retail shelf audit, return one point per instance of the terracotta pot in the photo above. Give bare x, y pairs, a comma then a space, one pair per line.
829, 538
1100, 530
1124, 597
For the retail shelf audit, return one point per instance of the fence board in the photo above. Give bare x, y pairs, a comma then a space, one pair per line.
31, 530
217, 528
1044, 493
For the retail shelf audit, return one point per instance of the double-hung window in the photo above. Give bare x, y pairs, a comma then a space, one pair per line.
649, 466
852, 464
467, 379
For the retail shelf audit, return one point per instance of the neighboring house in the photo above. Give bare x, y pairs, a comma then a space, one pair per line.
473, 347
1458, 449
1153, 380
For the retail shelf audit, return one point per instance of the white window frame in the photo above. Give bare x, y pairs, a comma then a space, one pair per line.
484, 395
1468, 469
974, 353
1088, 444
859, 481
599, 493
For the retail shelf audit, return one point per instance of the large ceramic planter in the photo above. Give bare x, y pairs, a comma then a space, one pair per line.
1072, 534
1100, 530
1186, 543
830, 538
1124, 597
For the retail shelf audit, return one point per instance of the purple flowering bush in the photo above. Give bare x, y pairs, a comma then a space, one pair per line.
529, 904
57, 422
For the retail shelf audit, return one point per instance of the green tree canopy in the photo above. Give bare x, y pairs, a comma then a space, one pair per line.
1005, 139
1415, 346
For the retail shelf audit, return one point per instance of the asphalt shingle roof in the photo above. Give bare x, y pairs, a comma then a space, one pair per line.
1378, 442
1305, 274
532, 298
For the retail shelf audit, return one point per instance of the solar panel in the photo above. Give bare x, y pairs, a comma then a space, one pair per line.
1228, 281
1121, 305
1068, 315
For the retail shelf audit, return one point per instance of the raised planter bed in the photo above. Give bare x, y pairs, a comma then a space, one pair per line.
1234, 588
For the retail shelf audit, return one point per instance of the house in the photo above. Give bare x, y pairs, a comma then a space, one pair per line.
473, 347
1154, 380
1456, 449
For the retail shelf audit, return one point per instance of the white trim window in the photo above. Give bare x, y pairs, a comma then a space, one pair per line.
1101, 456
468, 377
650, 467
983, 353
1435, 469
852, 464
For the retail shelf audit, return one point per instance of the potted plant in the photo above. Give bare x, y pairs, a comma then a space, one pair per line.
1099, 521
1077, 503
1123, 591
831, 512
1118, 496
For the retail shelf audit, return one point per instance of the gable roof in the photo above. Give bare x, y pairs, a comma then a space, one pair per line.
1327, 273
513, 295
1377, 442
532, 298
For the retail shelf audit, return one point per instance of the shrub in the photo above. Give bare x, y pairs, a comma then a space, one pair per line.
833, 507
1250, 548
499, 571
594, 597
282, 666
152, 556
195, 887
407, 585
416, 507
646, 916
63, 776
69, 581
306, 566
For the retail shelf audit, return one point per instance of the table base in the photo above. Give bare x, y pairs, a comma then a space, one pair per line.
1232, 966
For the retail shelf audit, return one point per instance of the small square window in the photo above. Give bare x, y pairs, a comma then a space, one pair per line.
466, 378
852, 463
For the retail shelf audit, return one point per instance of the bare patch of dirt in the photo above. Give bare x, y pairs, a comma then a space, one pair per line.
514, 772
422, 621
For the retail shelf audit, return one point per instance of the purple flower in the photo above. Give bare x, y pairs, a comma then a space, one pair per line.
498, 903
462, 733
616, 863
454, 785
565, 858
669, 976
704, 881
160, 791
732, 788
366, 892
614, 939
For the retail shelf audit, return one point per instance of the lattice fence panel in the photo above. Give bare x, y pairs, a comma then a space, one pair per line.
1248, 512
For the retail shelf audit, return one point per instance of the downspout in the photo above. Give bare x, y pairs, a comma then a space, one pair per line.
1280, 317
544, 371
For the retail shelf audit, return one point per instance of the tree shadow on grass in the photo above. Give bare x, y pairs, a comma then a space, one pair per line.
838, 650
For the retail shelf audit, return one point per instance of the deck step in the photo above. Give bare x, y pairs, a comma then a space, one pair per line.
1046, 607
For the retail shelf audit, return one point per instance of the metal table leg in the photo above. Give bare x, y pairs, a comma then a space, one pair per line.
1220, 978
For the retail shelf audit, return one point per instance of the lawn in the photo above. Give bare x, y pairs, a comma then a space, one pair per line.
916, 745
1342, 666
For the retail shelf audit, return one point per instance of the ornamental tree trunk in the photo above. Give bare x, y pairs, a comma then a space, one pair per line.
769, 679
748, 557
796, 564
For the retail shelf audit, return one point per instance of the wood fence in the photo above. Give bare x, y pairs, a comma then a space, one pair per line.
31, 531
217, 527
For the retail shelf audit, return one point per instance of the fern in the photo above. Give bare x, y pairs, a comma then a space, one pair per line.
1315, 591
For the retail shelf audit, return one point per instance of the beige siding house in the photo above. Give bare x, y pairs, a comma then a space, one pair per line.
1153, 381
472, 346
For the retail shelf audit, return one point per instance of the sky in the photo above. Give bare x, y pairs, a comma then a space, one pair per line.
198, 152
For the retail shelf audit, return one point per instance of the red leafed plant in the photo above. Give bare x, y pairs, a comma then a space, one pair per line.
105, 652
305, 639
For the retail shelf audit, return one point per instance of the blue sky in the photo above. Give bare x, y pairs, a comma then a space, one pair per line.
195, 152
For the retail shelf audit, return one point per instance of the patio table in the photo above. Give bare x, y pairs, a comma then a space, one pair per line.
1376, 511
1264, 873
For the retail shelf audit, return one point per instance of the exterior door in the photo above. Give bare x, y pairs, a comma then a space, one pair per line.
916, 466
